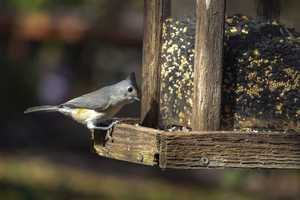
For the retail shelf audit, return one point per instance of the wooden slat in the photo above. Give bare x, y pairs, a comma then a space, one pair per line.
153, 14
130, 143
230, 149
196, 150
208, 65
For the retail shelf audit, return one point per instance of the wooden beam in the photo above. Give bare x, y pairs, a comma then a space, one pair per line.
129, 143
153, 17
208, 65
196, 150
230, 149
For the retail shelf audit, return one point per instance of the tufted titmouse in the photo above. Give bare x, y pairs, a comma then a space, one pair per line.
97, 106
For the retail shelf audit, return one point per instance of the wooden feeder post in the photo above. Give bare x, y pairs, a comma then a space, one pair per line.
208, 65
155, 11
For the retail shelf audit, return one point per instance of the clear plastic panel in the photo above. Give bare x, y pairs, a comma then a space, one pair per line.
261, 71
177, 59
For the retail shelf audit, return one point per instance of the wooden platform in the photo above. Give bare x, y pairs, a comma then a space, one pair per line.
196, 150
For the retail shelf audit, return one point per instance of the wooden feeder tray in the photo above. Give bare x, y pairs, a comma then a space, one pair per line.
196, 150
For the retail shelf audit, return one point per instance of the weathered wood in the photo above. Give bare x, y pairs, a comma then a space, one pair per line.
153, 16
230, 149
208, 64
268, 9
129, 143
195, 150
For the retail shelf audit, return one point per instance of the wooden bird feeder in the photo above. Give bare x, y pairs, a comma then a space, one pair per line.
205, 146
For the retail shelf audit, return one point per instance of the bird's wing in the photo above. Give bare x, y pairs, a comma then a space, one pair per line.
98, 100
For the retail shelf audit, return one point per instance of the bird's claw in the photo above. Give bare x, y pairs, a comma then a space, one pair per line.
108, 129
108, 136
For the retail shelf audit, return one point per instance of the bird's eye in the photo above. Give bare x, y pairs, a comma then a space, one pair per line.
130, 89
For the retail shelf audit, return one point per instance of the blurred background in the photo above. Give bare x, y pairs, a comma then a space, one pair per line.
51, 51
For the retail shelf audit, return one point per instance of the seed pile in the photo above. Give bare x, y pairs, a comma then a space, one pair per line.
261, 75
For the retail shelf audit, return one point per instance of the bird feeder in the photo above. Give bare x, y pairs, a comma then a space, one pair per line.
182, 122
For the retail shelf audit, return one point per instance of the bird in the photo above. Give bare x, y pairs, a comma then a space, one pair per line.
97, 106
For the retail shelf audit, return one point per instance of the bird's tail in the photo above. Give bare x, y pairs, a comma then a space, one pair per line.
41, 109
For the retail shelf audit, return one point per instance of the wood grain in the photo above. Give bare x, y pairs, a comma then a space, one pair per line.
129, 143
153, 16
208, 65
230, 149
197, 150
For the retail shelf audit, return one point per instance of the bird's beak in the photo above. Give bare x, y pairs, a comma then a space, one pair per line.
136, 98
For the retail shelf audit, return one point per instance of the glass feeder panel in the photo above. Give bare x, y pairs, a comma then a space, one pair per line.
261, 71
177, 60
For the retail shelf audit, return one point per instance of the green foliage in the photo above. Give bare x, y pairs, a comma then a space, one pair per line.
32, 178
28, 5
38, 5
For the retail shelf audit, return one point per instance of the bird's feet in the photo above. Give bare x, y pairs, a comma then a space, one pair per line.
108, 129
108, 136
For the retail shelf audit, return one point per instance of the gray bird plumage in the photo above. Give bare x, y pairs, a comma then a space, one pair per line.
41, 108
96, 106
98, 100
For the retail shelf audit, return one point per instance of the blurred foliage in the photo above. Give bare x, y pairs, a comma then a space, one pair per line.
37, 5
42, 5
28, 6
30, 177
233, 179
36, 178
137, 4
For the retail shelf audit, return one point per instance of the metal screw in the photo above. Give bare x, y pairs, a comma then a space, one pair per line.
204, 161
